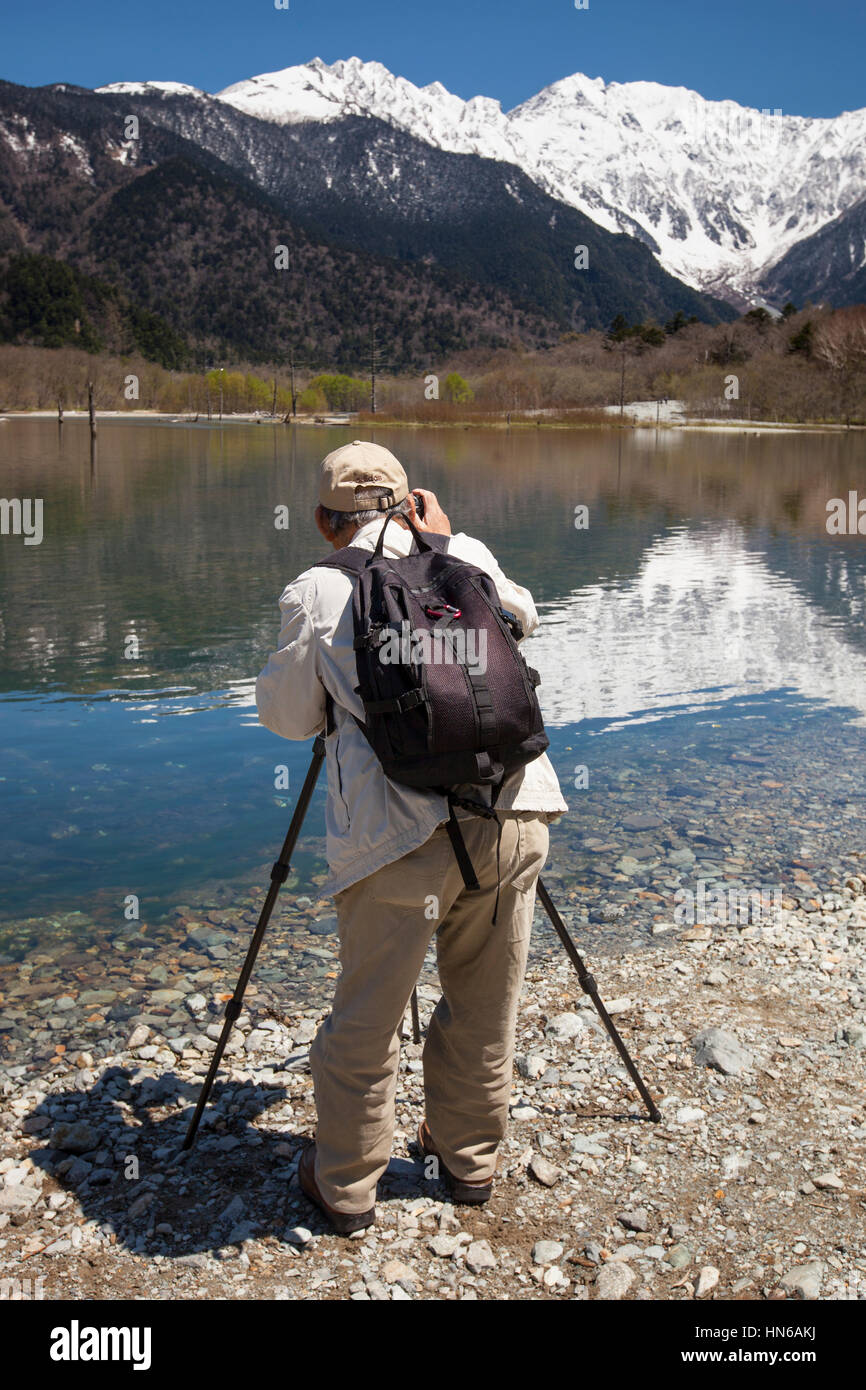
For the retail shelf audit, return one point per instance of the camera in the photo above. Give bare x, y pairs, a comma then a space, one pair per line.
419, 505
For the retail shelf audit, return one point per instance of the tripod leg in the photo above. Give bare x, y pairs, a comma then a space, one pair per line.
416, 1022
588, 985
279, 874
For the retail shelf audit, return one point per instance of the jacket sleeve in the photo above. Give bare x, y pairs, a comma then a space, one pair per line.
290, 696
512, 596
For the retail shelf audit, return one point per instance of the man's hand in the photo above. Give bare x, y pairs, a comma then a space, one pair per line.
434, 518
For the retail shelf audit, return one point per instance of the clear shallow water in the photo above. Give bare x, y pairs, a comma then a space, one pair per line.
704, 616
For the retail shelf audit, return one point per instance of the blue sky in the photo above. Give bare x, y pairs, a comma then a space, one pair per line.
805, 57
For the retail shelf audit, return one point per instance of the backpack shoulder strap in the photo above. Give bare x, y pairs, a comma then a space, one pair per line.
351, 559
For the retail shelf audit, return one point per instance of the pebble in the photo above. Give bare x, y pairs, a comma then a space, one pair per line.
565, 1027
613, 1281
479, 1257
715, 1047
523, 1112
444, 1245
394, 1271
544, 1171
76, 1138
298, 1235
678, 1256
804, 1281
829, 1182
690, 1114
581, 1144
707, 1280
546, 1252
636, 1220
532, 1066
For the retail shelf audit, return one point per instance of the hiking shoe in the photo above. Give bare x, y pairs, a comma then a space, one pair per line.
465, 1193
345, 1223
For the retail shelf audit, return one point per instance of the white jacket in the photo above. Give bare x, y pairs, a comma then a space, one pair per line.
370, 819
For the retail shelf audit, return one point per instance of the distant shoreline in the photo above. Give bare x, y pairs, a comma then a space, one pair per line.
616, 422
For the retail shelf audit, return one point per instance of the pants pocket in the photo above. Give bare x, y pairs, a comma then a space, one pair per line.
533, 843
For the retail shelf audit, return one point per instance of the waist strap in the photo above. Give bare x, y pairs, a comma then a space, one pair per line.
458, 844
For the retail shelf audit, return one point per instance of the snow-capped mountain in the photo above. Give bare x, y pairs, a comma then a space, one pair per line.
719, 192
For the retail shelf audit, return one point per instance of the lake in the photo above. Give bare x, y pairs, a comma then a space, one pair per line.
702, 653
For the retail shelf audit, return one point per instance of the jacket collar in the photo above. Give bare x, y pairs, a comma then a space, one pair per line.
398, 540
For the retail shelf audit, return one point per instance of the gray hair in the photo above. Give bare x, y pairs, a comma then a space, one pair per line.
338, 521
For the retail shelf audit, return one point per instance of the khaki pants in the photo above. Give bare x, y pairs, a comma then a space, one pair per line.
386, 923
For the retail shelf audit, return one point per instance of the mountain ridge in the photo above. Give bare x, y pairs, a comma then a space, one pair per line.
720, 192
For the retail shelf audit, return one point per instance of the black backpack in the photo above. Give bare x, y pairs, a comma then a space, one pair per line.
448, 697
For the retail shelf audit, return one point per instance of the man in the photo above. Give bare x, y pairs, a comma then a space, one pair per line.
396, 882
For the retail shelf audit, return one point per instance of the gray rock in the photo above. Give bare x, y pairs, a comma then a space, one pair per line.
378, 1292
580, 1144
716, 977
97, 996
564, 1027
546, 1252
479, 1257
323, 926
683, 858
141, 1204
613, 1281
716, 1048
233, 1212
627, 1252
829, 1182
804, 1281
544, 1171
76, 1138
298, 1235
618, 1006
678, 1257
855, 1035
79, 1169
238, 1234
522, 1111
18, 1199
532, 1066
636, 1220
689, 1114
396, 1272
443, 1246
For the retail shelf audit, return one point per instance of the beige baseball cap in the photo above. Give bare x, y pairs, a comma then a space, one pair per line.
360, 464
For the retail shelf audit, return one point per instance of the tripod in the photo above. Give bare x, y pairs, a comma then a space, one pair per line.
279, 874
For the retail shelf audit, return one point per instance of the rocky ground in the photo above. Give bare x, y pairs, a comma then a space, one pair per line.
751, 1038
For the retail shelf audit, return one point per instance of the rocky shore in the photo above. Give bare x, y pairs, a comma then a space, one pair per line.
751, 1037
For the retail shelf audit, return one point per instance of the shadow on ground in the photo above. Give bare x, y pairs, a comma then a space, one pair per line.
117, 1149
